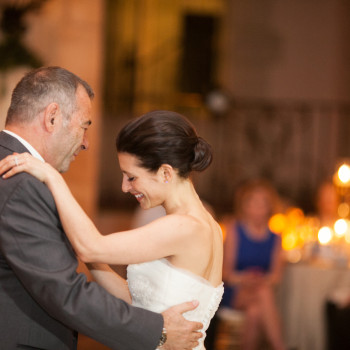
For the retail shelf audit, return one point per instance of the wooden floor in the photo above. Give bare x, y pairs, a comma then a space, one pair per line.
85, 343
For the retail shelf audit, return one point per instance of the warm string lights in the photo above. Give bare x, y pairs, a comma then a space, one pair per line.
305, 238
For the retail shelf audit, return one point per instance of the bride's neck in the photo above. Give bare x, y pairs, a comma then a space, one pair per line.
182, 198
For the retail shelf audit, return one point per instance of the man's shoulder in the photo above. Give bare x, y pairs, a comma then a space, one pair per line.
9, 144
25, 188
21, 179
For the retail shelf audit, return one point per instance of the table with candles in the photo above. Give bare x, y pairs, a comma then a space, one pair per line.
317, 270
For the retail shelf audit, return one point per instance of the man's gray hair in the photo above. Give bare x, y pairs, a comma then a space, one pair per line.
42, 86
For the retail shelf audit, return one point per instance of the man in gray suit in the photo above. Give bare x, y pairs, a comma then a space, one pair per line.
44, 302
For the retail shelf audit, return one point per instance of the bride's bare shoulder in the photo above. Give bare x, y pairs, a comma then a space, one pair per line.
183, 224
179, 219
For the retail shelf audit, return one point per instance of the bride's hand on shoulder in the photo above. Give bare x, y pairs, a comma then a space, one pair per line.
17, 163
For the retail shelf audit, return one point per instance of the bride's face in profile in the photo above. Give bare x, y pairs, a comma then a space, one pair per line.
147, 187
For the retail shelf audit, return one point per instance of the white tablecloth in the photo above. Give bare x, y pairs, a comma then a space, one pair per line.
303, 293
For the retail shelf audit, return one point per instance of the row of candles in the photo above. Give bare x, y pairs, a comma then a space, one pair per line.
303, 237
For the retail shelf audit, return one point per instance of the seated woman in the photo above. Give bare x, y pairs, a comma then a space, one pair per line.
253, 265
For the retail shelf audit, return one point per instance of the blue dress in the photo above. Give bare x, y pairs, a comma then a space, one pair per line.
251, 254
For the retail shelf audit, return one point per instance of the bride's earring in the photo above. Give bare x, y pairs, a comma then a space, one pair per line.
166, 173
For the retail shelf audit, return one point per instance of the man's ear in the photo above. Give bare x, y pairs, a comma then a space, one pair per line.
52, 115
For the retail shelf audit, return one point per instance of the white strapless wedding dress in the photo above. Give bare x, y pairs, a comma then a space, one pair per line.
158, 285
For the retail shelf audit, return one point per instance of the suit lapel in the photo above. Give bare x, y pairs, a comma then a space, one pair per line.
11, 143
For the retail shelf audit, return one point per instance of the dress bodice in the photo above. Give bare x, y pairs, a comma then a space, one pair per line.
158, 285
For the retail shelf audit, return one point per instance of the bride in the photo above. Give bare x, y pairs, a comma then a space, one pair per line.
173, 259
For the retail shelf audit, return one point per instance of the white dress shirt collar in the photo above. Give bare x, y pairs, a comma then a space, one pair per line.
26, 144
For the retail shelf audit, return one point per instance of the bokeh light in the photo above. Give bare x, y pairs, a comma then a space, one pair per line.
325, 235
343, 210
344, 173
278, 223
289, 241
340, 227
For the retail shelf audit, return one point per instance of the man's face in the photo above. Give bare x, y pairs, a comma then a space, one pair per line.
71, 138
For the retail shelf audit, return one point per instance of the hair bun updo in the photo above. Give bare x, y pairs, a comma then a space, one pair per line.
202, 155
165, 137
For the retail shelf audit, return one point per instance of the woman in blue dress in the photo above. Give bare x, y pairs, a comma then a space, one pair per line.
253, 265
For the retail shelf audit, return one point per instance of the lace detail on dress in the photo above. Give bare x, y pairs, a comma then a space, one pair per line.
158, 285
213, 305
140, 290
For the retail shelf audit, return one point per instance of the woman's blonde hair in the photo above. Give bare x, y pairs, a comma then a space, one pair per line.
251, 186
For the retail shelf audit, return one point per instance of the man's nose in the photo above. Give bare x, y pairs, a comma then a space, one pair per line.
85, 144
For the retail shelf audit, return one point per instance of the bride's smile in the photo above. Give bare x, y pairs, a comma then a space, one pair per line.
146, 186
139, 196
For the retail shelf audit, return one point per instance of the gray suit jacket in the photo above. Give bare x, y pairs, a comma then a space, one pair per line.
43, 301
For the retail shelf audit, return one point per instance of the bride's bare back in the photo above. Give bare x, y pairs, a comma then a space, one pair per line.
204, 255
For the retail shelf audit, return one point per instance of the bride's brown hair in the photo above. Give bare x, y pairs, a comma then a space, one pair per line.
165, 137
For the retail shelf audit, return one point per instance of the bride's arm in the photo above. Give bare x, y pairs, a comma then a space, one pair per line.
105, 276
161, 238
